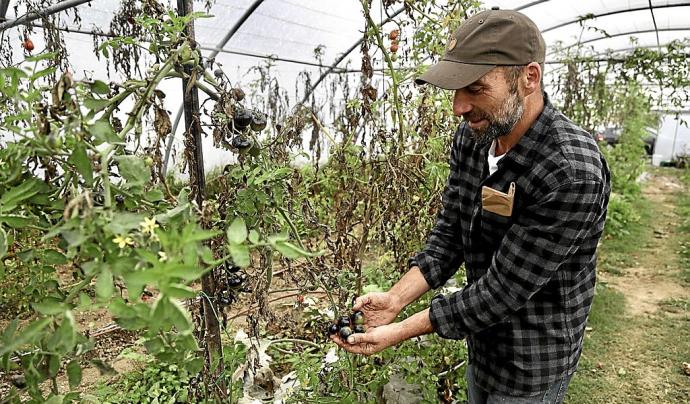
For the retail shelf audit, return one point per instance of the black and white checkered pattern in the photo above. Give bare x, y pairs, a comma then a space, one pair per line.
530, 277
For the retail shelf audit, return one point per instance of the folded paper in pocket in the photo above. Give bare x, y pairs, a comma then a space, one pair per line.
498, 202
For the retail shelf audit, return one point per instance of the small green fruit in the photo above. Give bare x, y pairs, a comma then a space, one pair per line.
54, 142
258, 121
358, 318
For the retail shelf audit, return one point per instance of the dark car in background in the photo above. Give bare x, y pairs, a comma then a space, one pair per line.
612, 136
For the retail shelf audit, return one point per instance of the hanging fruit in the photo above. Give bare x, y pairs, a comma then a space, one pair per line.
258, 121
242, 118
28, 44
394, 47
393, 35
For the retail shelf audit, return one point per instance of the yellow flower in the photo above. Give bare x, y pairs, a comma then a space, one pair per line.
162, 256
148, 226
123, 241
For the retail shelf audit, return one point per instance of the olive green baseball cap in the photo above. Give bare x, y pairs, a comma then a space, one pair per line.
488, 39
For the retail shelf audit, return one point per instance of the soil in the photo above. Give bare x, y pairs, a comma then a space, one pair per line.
110, 340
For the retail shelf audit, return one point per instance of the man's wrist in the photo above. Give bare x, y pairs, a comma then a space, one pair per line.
409, 288
416, 325
396, 301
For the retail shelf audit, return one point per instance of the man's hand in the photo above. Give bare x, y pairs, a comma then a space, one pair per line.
379, 308
375, 340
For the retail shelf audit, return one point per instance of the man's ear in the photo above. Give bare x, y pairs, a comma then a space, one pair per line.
532, 78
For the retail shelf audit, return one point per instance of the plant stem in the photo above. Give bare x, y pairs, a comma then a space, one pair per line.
397, 114
299, 241
135, 117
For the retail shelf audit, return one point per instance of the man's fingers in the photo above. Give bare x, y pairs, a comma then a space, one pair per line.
360, 302
359, 338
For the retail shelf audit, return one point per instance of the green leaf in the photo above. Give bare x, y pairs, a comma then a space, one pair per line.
16, 221
74, 374
291, 251
81, 162
138, 279
199, 235
123, 223
84, 300
164, 218
96, 104
133, 170
49, 306
154, 345
276, 238
100, 87
41, 56
74, 237
180, 317
103, 132
53, 365
67, 332
76, 397
237, 232
11, 199
59, 399
104, 284
3, 243
154, 195
253, 236
42, 73
119, 308
53, 257
179, 291
24, 336
240, 254
182, 271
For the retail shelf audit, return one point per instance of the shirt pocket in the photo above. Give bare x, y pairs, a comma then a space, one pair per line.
494, 227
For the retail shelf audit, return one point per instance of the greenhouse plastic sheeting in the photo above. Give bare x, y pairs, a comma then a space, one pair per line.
293, 29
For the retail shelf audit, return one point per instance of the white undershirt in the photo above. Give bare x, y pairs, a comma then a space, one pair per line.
493, 159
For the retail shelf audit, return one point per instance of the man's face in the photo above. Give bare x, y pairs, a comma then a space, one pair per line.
491, 106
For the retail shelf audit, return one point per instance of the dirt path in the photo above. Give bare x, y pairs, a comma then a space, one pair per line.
655, 279
643, 362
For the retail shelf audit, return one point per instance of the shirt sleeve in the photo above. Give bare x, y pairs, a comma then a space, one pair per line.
443, 253
546, 235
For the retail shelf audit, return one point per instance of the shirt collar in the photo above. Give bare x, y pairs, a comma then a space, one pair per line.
532, 139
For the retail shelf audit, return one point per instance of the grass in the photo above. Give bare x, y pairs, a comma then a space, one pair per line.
605, 321
620, 252
684, 229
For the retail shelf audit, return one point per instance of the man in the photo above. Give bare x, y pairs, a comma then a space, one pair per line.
523, 209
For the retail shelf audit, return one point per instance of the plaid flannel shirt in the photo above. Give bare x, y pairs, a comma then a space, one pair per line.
530, 276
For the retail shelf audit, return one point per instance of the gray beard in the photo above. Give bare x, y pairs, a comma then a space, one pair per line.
508, 116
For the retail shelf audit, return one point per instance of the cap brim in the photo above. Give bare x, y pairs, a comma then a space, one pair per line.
453, 75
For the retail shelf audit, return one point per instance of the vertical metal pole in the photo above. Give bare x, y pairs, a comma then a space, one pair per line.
4, 4
195, 156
